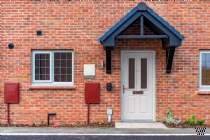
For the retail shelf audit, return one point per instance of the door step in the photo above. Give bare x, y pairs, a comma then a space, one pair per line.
156, 125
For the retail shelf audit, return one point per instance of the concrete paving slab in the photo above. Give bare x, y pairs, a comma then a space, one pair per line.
152, 125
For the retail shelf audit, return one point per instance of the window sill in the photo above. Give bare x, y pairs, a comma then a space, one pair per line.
204, 93
50, 87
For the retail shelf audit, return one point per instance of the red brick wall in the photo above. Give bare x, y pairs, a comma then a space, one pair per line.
76, 25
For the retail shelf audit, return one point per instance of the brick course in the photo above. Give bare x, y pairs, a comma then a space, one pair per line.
76, 24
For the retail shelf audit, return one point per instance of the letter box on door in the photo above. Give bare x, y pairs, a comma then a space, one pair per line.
11, 93
92, 93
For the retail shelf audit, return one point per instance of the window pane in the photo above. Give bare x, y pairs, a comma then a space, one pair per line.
42, 63
143, 73
131, 73
206, 69
62, 66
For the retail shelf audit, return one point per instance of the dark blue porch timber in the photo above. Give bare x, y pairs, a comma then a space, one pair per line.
108, 37
142, 36
164, 31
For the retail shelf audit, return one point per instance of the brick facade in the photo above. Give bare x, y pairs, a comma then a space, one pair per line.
76, 25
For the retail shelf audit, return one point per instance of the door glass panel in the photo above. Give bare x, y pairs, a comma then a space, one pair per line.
131, 73
143, 73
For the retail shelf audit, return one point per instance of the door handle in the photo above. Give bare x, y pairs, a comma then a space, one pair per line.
124, 88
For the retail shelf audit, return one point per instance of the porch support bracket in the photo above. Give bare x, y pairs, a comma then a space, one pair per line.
169, 58
108, 60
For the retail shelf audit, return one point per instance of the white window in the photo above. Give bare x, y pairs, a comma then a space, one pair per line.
52, 67
205, 70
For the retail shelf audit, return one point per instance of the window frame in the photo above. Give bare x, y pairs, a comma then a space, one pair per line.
51, 81
202, 87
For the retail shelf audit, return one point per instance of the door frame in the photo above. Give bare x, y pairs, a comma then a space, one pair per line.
122, 53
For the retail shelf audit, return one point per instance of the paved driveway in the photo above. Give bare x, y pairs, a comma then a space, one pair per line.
30, 133
43, 130
104, 138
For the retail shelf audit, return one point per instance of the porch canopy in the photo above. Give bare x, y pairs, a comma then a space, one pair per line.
142, 22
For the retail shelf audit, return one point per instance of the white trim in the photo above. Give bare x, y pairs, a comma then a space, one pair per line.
51, 81
154, 85
122, 53
202, 87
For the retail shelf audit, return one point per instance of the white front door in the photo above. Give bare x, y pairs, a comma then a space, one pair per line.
137, 92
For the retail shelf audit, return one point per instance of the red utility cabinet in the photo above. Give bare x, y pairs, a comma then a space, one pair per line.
11, 93
92, 93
